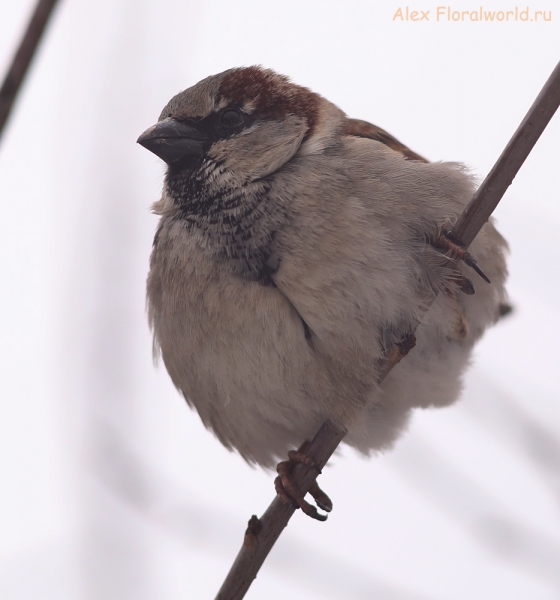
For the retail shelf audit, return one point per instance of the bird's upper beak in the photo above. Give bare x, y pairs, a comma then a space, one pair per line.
174, 141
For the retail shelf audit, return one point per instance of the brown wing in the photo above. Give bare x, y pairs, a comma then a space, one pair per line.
364, 129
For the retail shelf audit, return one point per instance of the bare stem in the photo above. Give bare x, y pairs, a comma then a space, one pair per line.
503, 172
22, 59
262, 533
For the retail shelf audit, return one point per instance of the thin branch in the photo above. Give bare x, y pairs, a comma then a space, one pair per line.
22, 59
262, 533
503, 172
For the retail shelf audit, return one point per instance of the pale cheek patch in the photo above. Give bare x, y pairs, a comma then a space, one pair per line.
263, 149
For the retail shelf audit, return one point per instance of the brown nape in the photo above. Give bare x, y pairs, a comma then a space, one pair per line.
273, 95
359, 128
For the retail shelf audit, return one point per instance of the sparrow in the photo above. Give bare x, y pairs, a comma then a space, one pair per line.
295, 248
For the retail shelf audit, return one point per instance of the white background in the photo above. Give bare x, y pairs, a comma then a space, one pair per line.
111, 488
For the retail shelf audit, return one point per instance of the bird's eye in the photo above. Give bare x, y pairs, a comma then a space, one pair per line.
230, 118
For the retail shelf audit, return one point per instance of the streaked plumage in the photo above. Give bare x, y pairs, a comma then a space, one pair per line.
293, 249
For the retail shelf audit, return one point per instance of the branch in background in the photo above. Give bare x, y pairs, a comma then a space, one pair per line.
490, 522
22, 59
262, 533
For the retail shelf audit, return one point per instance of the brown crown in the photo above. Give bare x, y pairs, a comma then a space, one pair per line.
273, 95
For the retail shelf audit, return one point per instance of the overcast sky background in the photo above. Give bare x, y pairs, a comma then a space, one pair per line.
110, 486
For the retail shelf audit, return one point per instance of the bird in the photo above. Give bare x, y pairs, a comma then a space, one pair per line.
296, 246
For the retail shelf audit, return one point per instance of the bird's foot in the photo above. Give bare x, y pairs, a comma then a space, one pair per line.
456, 249
287, 489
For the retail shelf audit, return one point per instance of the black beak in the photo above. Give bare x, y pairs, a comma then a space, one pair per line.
173, 141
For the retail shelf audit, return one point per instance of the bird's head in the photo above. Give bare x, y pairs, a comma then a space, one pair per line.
250, 121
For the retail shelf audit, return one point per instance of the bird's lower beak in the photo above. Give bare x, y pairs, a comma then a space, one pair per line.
174, 141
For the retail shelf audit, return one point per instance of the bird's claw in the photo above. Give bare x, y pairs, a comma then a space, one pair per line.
449, 243
289, 491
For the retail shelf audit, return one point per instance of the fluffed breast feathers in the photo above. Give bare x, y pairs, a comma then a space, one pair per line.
295, 246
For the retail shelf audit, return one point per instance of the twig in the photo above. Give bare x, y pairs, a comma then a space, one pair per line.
262, 533
503, 172
22, 59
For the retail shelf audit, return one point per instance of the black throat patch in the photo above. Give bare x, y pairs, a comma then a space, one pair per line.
238, 222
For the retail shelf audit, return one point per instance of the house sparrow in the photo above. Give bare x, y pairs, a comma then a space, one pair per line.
295, 247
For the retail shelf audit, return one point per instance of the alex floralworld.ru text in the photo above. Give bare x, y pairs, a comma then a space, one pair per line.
446, 13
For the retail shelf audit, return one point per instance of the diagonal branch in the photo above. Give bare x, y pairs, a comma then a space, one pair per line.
22, 58
262, 533
501, 175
